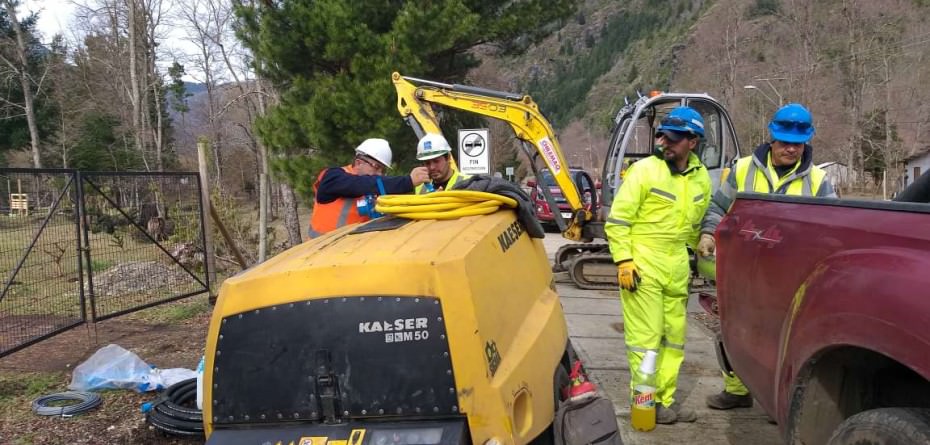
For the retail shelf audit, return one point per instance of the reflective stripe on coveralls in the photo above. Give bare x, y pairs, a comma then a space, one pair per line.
456, 177
654, 217
330, 216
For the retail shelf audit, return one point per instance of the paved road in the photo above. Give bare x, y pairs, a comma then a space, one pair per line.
592, 318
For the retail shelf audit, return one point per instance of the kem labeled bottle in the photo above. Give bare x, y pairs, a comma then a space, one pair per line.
643, 409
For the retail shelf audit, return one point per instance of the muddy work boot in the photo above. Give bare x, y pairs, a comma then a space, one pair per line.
725, 400
674, 413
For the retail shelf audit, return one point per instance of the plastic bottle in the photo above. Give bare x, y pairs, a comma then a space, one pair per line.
643, 406
429, 187
200, 383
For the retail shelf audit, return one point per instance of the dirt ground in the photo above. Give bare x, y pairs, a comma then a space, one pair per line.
45, 368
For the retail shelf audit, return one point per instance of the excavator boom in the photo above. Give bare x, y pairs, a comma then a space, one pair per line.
415, 98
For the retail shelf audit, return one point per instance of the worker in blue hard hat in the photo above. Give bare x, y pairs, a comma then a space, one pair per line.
654, 218
784, 166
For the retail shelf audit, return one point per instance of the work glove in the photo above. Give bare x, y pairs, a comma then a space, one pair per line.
707, 245
628, 275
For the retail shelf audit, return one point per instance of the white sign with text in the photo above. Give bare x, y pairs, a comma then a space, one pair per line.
474, 152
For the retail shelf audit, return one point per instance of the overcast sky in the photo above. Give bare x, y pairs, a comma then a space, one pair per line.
54, 15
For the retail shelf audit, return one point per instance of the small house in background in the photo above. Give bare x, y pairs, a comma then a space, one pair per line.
840, 175
916, 165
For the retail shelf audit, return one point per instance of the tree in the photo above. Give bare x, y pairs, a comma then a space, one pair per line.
331, 61
18, 51
877, 143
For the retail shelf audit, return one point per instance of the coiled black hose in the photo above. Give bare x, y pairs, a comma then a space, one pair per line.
86, 402
172, 412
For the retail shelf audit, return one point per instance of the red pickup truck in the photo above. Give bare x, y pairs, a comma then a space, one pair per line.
825, 314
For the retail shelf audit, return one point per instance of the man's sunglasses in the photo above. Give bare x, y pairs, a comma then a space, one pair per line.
791, 125
373, 164
674, 121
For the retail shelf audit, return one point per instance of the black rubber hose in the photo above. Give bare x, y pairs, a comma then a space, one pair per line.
172, 412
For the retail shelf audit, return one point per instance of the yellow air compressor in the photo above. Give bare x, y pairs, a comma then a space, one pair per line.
391, 332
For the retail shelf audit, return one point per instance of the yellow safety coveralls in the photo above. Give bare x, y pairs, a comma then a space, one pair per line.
756, 173
655, 215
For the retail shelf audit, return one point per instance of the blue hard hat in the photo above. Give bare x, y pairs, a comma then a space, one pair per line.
683, 120
792, 123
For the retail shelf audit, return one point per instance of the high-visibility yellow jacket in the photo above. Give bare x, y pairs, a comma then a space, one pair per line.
456, 177
658, 208
756, 173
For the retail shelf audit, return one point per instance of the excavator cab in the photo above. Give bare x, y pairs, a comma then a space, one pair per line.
633, 137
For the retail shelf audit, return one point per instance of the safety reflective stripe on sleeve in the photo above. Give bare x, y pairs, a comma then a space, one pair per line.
662, 193
619, 222
669, 344
699, 197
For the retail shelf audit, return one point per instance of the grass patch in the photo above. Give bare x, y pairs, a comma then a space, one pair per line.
175, 312
17, 390
101, 265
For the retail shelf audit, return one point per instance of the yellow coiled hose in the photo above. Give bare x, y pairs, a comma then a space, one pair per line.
449, 204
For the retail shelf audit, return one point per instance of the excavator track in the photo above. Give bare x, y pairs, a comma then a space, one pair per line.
567, 253
594, 271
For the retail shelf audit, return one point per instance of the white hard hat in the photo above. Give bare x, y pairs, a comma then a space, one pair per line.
431, 146
379, 149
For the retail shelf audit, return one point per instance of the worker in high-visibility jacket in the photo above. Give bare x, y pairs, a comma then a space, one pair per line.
345, 195
655, 216
784, 166
436, 153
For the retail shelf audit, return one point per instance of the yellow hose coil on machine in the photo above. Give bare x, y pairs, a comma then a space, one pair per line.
449, 204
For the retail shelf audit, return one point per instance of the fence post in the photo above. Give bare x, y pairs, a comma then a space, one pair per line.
208, 253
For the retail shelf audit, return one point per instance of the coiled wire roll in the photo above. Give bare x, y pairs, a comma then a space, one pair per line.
86, 402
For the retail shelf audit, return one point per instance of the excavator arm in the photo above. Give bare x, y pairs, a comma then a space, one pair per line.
415, 98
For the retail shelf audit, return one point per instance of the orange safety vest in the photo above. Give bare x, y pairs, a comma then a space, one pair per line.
330, 216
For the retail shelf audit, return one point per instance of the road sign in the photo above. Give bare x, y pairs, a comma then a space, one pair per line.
474, 152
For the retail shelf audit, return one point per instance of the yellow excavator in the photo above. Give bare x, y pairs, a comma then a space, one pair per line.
589, 263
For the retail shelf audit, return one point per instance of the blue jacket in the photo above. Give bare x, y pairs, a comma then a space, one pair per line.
337, 183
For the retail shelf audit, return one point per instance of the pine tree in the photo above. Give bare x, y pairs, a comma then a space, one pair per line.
331, 62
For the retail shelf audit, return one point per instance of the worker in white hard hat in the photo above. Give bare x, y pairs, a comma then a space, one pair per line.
344, 195
436, 154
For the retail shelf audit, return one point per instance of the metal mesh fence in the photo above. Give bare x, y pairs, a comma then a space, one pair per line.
145, 240
39, 255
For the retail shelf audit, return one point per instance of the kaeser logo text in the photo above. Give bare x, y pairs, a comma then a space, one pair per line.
400, 324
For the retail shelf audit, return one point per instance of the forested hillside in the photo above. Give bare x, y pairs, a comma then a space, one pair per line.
859, 66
